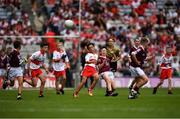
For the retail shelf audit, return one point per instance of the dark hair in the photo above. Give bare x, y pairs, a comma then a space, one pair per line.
145, 40
44, 44
102, 47
17, 44
61, 41
110, 39
89, 45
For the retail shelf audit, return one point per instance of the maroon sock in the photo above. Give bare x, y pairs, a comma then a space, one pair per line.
136, 88
41, 93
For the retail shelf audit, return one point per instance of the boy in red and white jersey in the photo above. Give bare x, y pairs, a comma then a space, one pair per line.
89, 70
59, 64
166, 70
35, 62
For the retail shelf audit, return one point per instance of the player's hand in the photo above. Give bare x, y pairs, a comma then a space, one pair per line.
47, 71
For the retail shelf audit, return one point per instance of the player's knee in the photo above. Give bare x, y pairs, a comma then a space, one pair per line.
20, 83
34, 84
96, 77
64, 79
83, 81
43, 81
145, 79
161, 82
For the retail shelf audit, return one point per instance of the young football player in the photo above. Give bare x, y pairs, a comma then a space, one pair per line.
15, 71
35, 62
166, 70
89, 70
106, 73
60, 64
137, 59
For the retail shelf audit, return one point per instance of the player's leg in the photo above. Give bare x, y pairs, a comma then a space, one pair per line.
135, 75
169, 86
20, 86
163, 76
170, 71
139, 84
84, 79
63, 83
158, 85
33, 81
96, 78
108, 84
113, 85
110, 76
169, 81
43, 81
142, 81
57, 85
133, 82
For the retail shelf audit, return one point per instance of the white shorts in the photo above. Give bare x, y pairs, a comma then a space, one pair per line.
136, 71
109, 73
2, 72
15, 72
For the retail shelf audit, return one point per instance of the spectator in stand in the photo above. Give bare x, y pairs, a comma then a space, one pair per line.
177, 29
39, 23
177, 4
136, 3
168, 4
161, 18
51, 42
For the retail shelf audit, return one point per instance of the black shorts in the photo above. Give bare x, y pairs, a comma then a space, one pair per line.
113, 66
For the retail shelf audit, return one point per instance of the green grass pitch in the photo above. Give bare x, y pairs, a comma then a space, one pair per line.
52, 105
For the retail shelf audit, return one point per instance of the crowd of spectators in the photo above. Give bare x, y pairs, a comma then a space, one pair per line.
124, 20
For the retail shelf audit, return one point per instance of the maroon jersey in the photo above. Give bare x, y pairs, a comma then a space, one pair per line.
14, 59
3, 62
134, 48
106, 66
141, 55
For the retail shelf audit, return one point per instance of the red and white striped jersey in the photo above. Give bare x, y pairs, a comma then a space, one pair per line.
166, 61
90, 57
37, 59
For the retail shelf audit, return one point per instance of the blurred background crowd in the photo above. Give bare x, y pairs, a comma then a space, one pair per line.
122, 20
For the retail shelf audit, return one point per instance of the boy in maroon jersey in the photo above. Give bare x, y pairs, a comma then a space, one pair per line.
134, 47
15, 71
137, 59
106, 73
